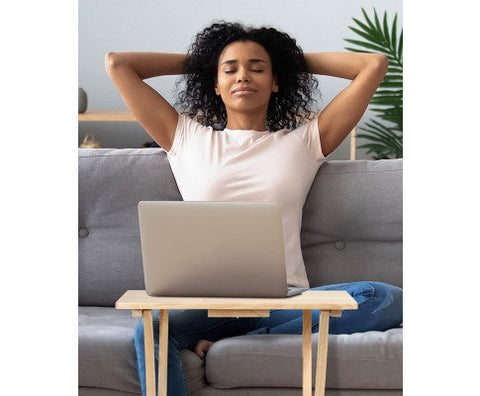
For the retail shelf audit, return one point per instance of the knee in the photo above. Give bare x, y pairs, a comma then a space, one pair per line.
389, 301
391, 295
379, 308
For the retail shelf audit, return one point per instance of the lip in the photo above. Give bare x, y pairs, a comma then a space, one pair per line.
243, 90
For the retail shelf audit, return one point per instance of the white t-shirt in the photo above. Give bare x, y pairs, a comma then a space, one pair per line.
246, 165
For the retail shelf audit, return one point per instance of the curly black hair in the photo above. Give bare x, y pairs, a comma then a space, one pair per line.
286, 109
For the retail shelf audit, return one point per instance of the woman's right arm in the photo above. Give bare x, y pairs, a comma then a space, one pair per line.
128, 70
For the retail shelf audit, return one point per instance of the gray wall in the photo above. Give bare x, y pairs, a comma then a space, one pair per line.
169, 26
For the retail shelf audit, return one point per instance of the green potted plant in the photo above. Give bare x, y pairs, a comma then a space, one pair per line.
384, 133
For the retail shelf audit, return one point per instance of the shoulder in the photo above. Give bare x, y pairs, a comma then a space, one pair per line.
189, 124
308, 133
187, 129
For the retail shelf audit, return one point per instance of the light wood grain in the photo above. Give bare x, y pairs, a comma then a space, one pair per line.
307, 353
149, 352
106, 115
335, 314
328, 302
322, 351
312, 299
238, 313
163, 352
353, 144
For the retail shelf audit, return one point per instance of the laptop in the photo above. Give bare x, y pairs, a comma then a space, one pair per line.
213, 249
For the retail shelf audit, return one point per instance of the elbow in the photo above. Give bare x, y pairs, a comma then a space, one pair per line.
380, 63
376, 65
111, 61
384, 63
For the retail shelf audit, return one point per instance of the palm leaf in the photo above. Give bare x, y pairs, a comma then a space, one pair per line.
364, 44
394, 32
368, 35
394, 111
385, 28
386, 101
372, 26
393, 60
400, 46
392, 84
388, 92
380, 151
393, 77
377, 21
397, 70
381, 133
392, 117
367, 29
381, 147
375, 35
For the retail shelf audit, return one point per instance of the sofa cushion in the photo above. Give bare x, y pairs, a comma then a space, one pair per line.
371, 360
111, 183
106, 355
211, 391
84, 391
352, 223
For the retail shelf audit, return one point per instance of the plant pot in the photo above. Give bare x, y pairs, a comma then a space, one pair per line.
82, 100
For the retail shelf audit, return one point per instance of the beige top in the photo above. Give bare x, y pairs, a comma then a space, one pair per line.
246, 166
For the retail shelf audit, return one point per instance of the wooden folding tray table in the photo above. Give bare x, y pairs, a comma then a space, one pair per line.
330, 303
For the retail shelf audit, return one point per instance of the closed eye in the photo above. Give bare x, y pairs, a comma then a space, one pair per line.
252, 70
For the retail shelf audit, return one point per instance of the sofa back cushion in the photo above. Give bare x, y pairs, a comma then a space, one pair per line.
352, 223
111, 183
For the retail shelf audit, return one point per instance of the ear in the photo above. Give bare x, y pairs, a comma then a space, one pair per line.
275, 85
217, 90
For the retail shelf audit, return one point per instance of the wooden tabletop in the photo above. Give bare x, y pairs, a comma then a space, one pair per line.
311, 299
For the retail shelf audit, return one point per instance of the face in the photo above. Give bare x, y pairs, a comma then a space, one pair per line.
244, 77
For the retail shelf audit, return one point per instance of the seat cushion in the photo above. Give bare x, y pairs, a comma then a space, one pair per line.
107, 358
106, 355
371, 360
211, 391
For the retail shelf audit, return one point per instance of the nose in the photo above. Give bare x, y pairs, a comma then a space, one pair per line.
243, 76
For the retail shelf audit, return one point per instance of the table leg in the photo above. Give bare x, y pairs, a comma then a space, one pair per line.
322, 350
163, 353
149, 352
307, 353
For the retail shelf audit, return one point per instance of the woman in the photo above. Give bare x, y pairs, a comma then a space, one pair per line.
250, 92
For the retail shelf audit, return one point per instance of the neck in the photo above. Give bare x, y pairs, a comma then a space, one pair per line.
255, 122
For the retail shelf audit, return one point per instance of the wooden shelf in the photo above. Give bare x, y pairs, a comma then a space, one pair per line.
125, 115
106, 115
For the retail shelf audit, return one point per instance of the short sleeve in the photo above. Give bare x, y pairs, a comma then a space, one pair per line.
309, 135
185, 128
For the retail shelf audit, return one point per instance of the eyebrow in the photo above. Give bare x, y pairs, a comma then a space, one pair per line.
254, 60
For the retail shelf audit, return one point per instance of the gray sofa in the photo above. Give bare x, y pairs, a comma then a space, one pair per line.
352, 230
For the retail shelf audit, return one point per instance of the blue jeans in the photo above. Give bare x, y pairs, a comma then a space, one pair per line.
379, 308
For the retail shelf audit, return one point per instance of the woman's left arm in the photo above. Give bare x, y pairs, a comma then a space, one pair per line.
345, 110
